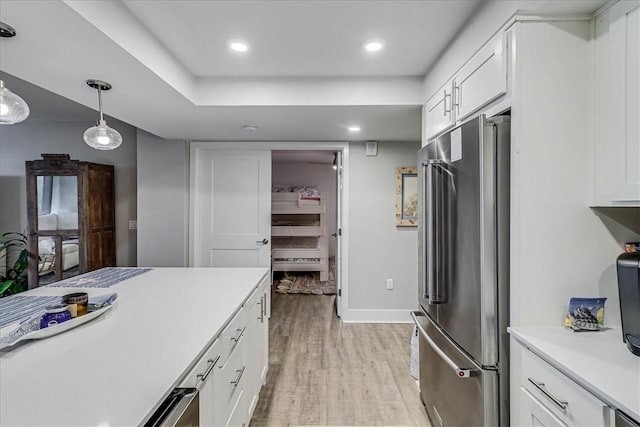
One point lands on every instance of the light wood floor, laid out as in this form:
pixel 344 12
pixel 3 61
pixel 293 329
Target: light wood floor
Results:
pixel 323 372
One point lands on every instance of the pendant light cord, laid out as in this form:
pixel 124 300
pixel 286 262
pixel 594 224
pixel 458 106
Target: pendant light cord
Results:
pixel 100 102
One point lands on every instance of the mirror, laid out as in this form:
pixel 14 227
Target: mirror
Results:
pixel 57 202
pixel 69 261
pixel 57 210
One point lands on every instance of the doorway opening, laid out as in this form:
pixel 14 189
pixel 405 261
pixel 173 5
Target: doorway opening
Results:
pixel 305 212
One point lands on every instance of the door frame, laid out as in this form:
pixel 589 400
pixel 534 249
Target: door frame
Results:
pixel 343 146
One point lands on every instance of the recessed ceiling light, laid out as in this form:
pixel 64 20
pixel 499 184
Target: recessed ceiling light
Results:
pixel 238 45
pixel 249 128
pixel 373 45
pixel 353 128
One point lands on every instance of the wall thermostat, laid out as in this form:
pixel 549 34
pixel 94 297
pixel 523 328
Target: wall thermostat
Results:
pixel 371 148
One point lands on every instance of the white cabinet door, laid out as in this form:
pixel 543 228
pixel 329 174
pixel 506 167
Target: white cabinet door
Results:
pixel 617 73
pixel 535 414
pixel 262 341
pixel 439 112
pixel 256 356
pixel 230 388
pixel 206 377
pixel 482 79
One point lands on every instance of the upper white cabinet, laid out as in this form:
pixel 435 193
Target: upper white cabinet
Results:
pixel 439 111
pixel 481 80
pixel 617 111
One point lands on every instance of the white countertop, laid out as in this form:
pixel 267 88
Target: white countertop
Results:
pixel 598 361
pixel 115 369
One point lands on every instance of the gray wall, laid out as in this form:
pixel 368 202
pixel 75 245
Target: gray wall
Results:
pixel 324 176
pixel 379 250
pixel 27 140
pixel 163 196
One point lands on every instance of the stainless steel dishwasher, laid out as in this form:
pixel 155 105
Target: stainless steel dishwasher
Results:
pixel 623 421
pixel 180 409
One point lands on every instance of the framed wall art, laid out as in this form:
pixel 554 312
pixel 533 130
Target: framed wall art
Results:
pixel 406 197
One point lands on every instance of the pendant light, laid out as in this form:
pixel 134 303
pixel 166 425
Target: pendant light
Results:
pixel 13 109
pixel 101 136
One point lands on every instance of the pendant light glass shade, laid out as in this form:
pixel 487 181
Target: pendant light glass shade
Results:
pixel 101 136
pixel 13 109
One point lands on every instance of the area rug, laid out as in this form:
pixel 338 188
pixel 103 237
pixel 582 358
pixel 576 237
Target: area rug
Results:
pixel 305 282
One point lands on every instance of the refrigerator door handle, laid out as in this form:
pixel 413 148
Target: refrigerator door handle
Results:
pixel 435 230
pixel 429 230
pixel 460 372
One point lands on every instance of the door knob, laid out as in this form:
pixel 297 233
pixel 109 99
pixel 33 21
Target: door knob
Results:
pixel 263 241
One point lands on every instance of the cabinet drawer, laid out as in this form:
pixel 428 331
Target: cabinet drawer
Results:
pixel 231 380
pixel 534 413
pixel 204 366
pixel 565 399
pixel 237 417
pixel 232 335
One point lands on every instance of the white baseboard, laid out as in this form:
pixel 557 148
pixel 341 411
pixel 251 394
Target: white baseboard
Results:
pixel 377 316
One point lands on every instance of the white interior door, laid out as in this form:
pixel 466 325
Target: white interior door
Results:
pixel 338 272
pixel 232 208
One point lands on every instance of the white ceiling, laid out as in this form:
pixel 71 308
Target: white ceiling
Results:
pixel 305 76
pixel 304 38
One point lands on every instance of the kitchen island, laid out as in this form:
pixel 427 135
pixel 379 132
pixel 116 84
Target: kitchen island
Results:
pixel 116 369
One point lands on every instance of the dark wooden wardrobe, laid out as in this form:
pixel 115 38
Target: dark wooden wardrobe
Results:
pixel 71 217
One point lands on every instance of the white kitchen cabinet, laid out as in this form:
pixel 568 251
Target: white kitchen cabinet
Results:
pixel 262 340
pixel 256 356
pixel 230 393
pixel 549 398
pixel 617 105
pixel 230 382
pixel 439 112
pixel 482 79
pixel 203 377
pixel 535 414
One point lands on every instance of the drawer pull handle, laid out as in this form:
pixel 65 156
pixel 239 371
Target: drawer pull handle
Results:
pixel 212 363
pixel 562 404
pixel 237 337
pixel 237 380
pixel 261 317
pixel 459 372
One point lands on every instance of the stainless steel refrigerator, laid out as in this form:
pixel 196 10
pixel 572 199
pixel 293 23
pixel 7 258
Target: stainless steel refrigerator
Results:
pixel 464 274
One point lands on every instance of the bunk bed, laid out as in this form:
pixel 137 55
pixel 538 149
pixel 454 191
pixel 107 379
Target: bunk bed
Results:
pixel 298 230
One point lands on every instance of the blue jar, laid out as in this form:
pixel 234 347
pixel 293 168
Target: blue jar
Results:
pixel 55 314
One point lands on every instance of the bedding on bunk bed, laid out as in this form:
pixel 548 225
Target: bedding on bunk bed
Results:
pixel 294 242
pixel 293 222
pixel 305 192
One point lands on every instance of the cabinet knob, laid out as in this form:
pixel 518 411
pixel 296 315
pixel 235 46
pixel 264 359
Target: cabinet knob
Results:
pixel 263 241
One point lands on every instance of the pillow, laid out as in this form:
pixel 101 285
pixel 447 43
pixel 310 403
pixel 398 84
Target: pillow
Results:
pixel 47 222
pixel 67 220
pixel 46 245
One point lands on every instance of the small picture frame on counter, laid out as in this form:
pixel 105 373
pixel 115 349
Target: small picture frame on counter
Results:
pixel 631 247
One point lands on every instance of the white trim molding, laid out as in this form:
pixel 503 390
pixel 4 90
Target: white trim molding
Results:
pixel 377 316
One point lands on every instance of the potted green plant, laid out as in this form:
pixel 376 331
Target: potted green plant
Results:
pixel 14 279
